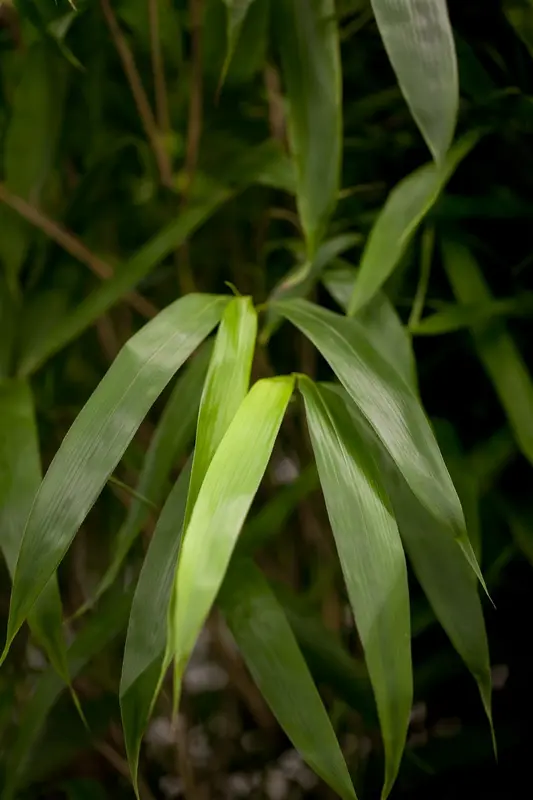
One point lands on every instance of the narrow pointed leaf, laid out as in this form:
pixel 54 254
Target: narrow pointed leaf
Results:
pixel 100 630
pixel 457 317
pixel 172 435
pixel 419 41
pixel 273 657
pixel 307 37
pixel 223 502
pixel 20 476
pixel 225 387
pixel 98 438
pixel 404 210
pixel 389 405
pixel 495 348
pixel 372 560
pixel 236 11
pixel 144 654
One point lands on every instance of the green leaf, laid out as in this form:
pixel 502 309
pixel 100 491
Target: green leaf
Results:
pixel 98 438
pixel 404 210
pixel 172 435
pixel 372 561
pixel 520 15
pixel 144 655
pixel 307 38
pixel 390 406
pixel 379 319
pixel 236 11
pixel 418 39
pixel 102 628
pixel 225 387
pixel 457 317
pixel 20 476
pixel 495 348
pixel 273 657
pixel 224 500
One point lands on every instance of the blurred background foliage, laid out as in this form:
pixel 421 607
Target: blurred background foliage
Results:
pixel 131 173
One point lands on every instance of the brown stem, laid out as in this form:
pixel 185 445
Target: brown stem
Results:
pixel 158 69
pixel 72 245
pixel 139 95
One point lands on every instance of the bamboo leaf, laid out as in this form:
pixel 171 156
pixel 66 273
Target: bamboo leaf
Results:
pixel 457 317
pixel 307 38
pixel 224 500
pixel 98 438
pixel 236 11
pixel 419 41
pixel 404 210
pixel 372 561
pixel 144 655
pixel 389 405
pixel 225 387
pixel 273 657
pixel 172 435
pixel 102 628
pixel 495 348
pixel 20 476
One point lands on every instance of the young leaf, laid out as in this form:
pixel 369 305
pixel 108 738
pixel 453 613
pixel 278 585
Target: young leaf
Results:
pixel 223 502
pixel 20 476
pixel 98 438
pixel 273 657
pixel 496 349
pixel 307 38
pixel 172 435
pixel 404 210
pixel 372 561
pixel 144 654
pixel 225 388
pixel 418 39
pixel 389 405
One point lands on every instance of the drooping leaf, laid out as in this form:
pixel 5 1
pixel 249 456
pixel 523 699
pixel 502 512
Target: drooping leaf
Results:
pixel 144 654
pixel 225 387
pixel 418 39
pixel 172 435
pixel 379 319
pixel 20 476
pixel 389 405
pixel 273 657
pixel 438 562
pixel 404 210
pixel 307 38
pixel 98 438
pixel 223 502
pixel 495 348
pixel 372 561
pixel 102 628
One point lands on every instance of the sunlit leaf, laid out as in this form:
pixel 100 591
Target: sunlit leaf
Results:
pixel 273 657
pixel 98 438
pixel 224 500
pixel 419 41
pixel 495 348
pixel 404 210
pixel 372 561
pixel 307 38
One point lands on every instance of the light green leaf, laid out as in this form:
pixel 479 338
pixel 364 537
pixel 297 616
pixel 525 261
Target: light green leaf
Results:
pixel 144 655
pixel 390 406
pixel 172 435
pixel 495 348
pixel 20 476
pixel 379 319
pixel 418 39
pixel 224 500
pixel 273 657
pixel 372 561
pixel 404 210
pixel 307 38
pixel 225 387
pixel 98 438
pixel 102 628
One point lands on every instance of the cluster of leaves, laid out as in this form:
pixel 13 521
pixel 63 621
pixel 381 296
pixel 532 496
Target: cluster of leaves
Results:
pixel 152 150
